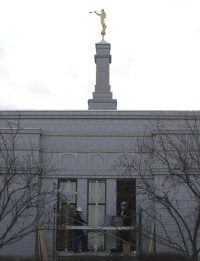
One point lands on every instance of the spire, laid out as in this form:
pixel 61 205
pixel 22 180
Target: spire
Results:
pixel 102 97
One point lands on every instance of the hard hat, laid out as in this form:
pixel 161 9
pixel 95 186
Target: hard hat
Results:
pixel 79 209
pixel 124 203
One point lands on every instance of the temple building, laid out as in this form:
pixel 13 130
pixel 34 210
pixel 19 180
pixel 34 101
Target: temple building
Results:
pixel 85 149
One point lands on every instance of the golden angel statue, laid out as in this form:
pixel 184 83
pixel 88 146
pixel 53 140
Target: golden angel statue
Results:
pixel 102 15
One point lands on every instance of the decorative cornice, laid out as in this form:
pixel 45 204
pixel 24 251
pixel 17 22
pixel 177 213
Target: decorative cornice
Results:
pixel 21 131
pixel 102 114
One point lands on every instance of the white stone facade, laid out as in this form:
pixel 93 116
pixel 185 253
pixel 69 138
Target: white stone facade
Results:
pixel 86 145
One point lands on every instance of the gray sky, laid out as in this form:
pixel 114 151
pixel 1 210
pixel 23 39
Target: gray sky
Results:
pixel 47 49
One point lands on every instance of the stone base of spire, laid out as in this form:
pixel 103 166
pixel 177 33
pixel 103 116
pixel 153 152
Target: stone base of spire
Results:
pixel 102 96
pixel 102 105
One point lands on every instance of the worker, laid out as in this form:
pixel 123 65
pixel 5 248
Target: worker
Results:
pixel 80 239
pixel 126 221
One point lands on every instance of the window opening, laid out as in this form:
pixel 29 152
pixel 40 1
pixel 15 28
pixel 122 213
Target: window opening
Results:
pixel 126 191
pixel 96 213
pixel 67 199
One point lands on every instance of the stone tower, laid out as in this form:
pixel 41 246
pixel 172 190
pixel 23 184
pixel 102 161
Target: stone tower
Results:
pixel 102 97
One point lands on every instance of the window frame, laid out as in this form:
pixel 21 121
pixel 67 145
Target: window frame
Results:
pixel 93 204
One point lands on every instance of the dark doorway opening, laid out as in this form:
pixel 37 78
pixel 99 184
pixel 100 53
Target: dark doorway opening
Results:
pixel 126 191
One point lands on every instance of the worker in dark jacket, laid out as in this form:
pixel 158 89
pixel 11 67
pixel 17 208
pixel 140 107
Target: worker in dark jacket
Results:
pixel 125 214
pixel 126 221
pixel 80 240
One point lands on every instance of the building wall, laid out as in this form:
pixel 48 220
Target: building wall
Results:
pixel 87 144
pixel 27 144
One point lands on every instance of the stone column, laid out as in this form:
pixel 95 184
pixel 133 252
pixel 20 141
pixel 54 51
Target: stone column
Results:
pixel 111 208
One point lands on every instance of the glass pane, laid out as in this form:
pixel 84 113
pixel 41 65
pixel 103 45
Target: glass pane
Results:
pixel 67 203
pixel 68 211
pixel 96 218
pixel 96 215
pixel 64 240
pixel 97 192
pixel 68 192
pixel 96 241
